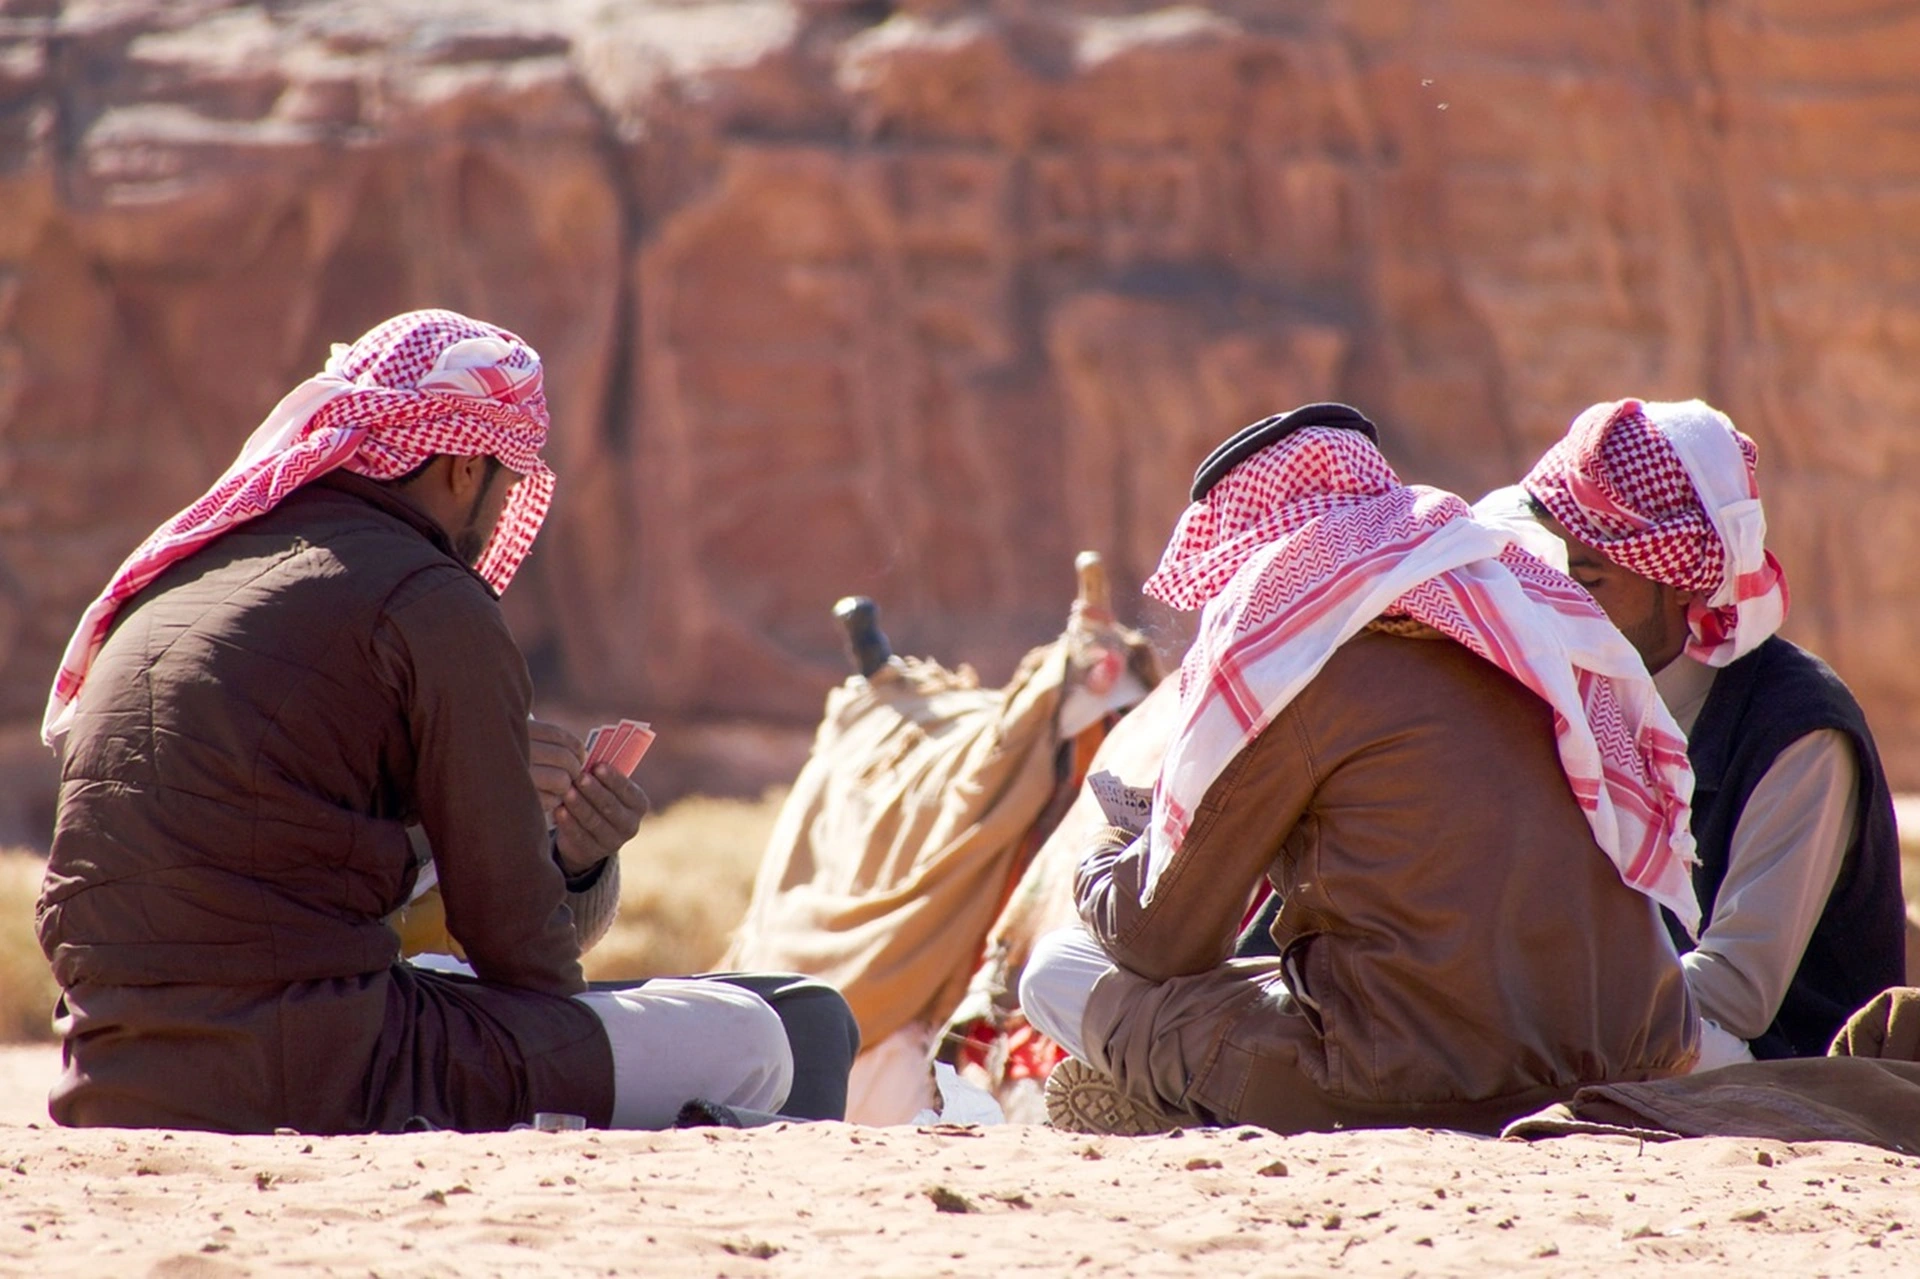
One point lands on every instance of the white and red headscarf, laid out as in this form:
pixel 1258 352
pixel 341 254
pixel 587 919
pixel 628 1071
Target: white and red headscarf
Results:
pixel 1308 540
pixel 1667 490
pixel 421 384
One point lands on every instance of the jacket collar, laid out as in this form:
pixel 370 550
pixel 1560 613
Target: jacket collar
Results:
pixel 386 499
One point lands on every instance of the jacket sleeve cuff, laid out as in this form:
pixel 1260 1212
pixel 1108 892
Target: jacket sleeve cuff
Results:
pixel 587 878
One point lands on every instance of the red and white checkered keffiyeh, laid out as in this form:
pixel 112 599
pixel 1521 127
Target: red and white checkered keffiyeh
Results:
pixel 1307 541
pixel 421 384
pixel 1667 490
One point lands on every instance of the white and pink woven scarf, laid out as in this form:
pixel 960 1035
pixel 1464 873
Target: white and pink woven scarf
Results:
pixel 421 384
pixel 1304 543
pixel 1667 490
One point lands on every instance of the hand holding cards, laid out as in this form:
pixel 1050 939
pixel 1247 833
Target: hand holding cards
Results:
pixel 600 812
pixel 1128 807
pixel 622 745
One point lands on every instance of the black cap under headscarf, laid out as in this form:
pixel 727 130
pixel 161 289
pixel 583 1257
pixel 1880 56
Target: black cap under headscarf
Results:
pixel 1247 441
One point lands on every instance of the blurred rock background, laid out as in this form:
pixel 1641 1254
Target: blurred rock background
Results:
pixel 916 299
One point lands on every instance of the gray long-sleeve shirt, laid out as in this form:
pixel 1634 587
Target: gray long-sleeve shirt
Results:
pixel 1784 860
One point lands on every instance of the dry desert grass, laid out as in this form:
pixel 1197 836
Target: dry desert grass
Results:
pixel 684 883
pixel 27 991
pixel 685 879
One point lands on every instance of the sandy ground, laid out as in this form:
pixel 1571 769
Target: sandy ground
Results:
pixel 830 1199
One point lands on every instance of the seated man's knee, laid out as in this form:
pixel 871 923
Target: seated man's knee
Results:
pixel 823 1034
pixel 674 1040
pixel 1032 989
pixel 762 1069
pixel 1056 983
pixel 819 1015
pixel 814 1011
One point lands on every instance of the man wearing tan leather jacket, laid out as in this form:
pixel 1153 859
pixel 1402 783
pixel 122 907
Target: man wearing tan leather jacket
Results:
pixel 1450 768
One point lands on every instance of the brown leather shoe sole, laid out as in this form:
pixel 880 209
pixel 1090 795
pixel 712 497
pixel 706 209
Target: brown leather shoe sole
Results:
pixel 1081 1099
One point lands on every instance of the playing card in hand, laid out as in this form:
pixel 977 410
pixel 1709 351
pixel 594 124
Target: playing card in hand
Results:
pixel 629 753
pixel 1127 807
pixel 623 745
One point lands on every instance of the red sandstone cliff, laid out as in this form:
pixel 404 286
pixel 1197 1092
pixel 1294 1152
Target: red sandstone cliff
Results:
pixel 917 299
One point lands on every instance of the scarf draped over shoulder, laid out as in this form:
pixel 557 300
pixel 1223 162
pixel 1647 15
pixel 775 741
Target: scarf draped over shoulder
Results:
pixel 1313 537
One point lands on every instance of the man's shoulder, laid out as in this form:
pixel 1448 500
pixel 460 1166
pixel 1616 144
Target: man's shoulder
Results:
pixel 442 595
pixel 1781 692
pixel 1780 668
pixel 1397 643
pixel 374 551
pixel 1416 672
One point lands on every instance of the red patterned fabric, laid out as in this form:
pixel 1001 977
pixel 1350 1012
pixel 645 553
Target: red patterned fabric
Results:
pixel 1307 541
pixel 1667 491
pixel 1006 1053
pixel 421 384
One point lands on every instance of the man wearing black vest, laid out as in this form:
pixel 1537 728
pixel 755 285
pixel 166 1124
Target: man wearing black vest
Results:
pixel 1799 870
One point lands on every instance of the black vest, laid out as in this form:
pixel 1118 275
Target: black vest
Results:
pixel 1759 706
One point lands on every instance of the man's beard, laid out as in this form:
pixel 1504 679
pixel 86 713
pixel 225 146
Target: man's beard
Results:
pixel 1660 632
pixel 470 543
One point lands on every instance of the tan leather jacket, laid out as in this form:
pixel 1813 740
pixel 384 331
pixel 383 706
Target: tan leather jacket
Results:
pixel 1449 924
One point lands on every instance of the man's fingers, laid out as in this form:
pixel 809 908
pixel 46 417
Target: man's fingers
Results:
pixel 600 812
pixel 585 813
pixel 554 759
pixel 604 810
pixel 552 781
pixel 540 730
pixel 583 836
pixel 553 747
pixel 578 852
pixel 629 802
pixel 615 800
pixel 558 759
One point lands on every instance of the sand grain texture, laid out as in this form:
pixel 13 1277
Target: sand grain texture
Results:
pixel 832 1199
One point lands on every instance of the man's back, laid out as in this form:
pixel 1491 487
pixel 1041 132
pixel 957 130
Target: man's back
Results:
pixel 237 782
pixel 1447 919
pixel 249 748
pixel 1445 760
pixel 1467 932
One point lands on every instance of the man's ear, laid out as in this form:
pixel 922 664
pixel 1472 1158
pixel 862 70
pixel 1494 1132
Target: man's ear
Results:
pixel 1680 602
pixel 465 476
